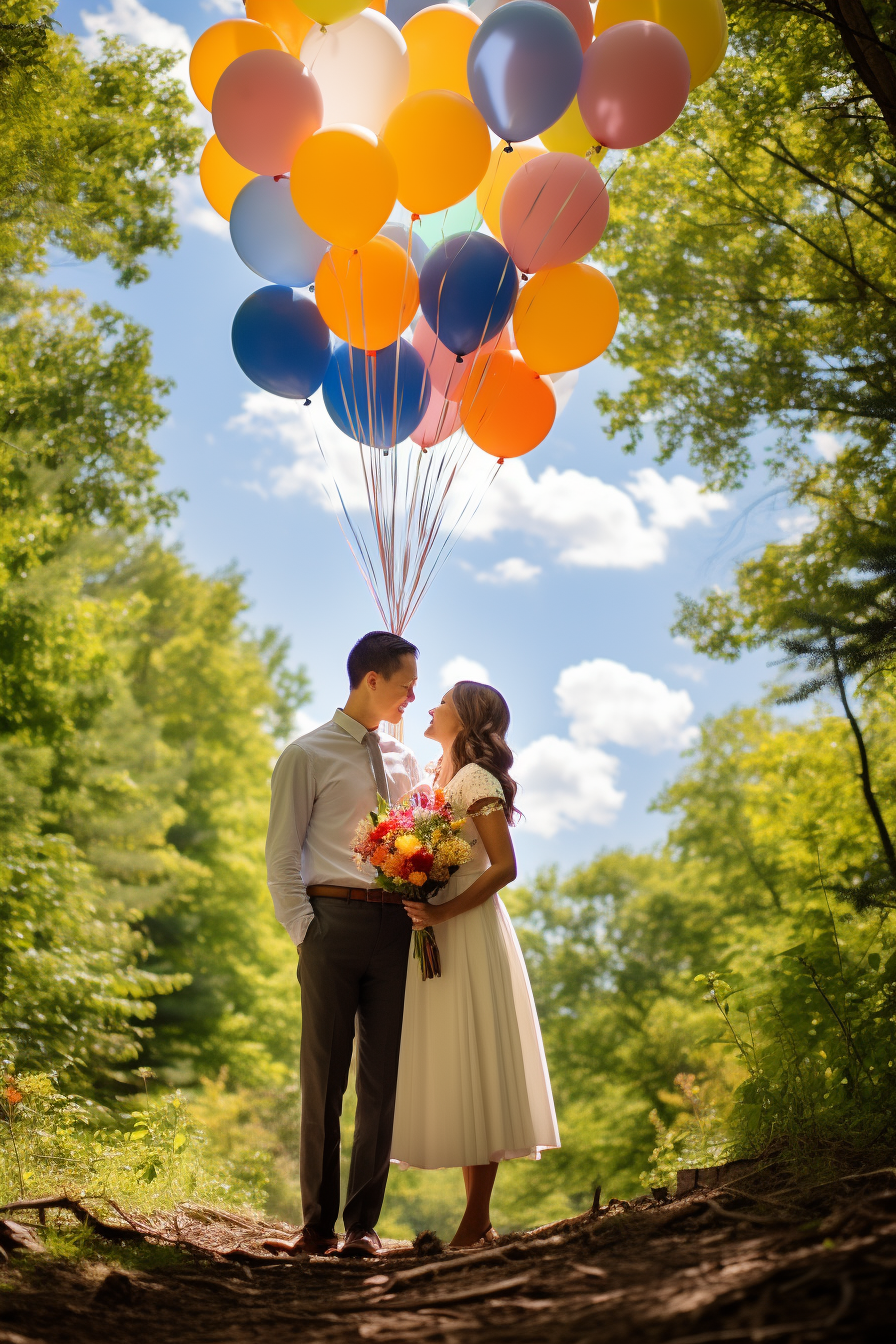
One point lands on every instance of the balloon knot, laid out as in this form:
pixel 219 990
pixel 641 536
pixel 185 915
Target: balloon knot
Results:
pixel 508 148
pixel 459 359
pixel 323 27
pixel 524 276
pixel 278 177
pixel 500 461
pixel 307 401
pixel 414 219
pixel 424 450
pixel 311 288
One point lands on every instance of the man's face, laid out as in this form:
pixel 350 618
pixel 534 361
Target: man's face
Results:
pixel 397 692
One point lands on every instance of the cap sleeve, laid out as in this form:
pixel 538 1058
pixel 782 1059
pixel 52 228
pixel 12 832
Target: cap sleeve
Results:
pixel 474 783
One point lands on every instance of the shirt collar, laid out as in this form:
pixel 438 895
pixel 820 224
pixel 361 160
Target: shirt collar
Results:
pixel 350 725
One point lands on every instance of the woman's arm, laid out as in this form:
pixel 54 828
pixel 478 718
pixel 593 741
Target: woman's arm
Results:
pixel 495 836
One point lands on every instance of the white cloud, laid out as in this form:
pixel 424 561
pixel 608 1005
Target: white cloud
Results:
pixel 512 570
pixel 563 784
pixel 608 702
pixel 690 671
pixel 231 8
pixel 826 445
pixel 192 209
pixel 303 722
pixel 569 781
pixel 592 524
pixel 462 668
pixel 796 525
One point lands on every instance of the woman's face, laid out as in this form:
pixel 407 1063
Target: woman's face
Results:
pixel 444 725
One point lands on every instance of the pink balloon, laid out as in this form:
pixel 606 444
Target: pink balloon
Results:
pixel 579 14
pixel 442 418
pixel 554 211
pixel 635 81
pixel 265 104
pixel 447 373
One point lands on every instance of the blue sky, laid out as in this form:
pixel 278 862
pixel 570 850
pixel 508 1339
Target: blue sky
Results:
pixel 563 589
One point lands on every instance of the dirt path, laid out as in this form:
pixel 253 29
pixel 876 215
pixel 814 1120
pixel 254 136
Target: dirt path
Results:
pixel 754 1261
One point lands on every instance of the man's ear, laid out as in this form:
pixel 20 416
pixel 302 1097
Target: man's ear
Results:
pixel 371 680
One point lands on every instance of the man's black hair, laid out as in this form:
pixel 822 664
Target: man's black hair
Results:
pixel 378 651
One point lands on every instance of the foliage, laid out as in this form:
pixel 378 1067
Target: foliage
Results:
pixel 154 1154
pixel 754 248
pixel 87 151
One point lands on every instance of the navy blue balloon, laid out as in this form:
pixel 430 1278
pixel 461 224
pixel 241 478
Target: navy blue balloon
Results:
pixel 359 386
pixel 468 289
pixel 281 341
pixel 524 67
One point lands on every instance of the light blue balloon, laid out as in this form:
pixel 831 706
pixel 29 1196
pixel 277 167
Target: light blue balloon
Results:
pixel 524 68
pixel 270 235
pixel 399 11
pixel 399 234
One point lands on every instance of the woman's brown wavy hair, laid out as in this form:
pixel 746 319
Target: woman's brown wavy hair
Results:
pixel 482 740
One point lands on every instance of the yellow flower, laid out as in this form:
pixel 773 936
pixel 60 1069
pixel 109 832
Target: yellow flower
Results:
pixel 407 844
pixel 457 825
pixel 417 879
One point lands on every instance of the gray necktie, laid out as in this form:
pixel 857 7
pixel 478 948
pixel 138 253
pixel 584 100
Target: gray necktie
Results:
pixel 372 743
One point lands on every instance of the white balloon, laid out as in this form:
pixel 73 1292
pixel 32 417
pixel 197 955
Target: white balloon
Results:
pixel 361 66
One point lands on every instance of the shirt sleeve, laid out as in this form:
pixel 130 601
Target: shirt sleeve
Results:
pixel 477 783
pixel 292 798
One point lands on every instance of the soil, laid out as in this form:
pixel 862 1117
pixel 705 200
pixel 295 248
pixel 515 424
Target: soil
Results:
pixel 758 1257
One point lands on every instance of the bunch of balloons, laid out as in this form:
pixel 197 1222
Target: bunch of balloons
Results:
pixel 379 167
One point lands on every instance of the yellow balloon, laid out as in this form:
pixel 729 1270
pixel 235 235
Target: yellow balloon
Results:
pixel 501 168
pixel 700 26
pixel 369 295
pixel 439 41
pixel 221 177
pixel 287 21
pixel 564 317
pixel 220 45
pixel 441 147
pixel 344 183
pixel 326 12
pixel 570 135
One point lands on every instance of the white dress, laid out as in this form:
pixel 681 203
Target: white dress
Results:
pixel 473 1083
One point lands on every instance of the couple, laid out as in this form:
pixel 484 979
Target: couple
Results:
pixel 450 1072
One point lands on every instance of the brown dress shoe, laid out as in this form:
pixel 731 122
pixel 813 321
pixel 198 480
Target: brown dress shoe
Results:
pixel 310 1241
pixel 361 1241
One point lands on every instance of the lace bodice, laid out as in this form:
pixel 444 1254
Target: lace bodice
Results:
pixel 471 784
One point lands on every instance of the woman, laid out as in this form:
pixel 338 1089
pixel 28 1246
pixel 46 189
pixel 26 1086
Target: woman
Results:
pixel 473 1086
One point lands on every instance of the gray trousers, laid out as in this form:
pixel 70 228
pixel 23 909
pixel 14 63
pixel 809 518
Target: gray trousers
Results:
pixel 352 966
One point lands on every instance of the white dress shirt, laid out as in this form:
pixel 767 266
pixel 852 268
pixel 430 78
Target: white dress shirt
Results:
pixel 322 786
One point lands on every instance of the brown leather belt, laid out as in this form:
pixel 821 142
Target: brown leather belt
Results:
pixel 374 895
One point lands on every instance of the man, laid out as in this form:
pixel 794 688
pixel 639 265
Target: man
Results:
pixel 352 937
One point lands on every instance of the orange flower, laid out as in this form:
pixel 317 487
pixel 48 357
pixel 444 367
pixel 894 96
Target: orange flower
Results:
pixel 417 879
pixel 379 856
pixel 13 1096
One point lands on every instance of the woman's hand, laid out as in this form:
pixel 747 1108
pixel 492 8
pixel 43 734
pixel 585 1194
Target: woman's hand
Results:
pixel 422 914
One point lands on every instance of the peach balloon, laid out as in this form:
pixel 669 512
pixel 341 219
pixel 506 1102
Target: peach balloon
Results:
pixel 287 21
pixel 367 295
pixel 442 419
pixel 565 317
pixel 554 211
pixel 507 408
pixel 501 168
pixel 449 373
pixel 265 105
pixel 635 82
pixel 221 177
pixel 219 46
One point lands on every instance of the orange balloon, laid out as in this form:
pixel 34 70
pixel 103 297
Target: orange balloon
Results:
pixel 378 5
pixel 288 22
pixel 220 45
pixel 344 183
pixel 564 317
pixel 369 295
pixel 507 409
pixel 439 39
pixel 441 148
pixel 501 168
pixel 221 177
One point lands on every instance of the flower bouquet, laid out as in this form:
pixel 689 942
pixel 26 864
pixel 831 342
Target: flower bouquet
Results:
pixel 414 848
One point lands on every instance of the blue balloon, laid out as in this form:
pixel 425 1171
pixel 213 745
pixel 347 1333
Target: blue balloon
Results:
pixel 468 289
pixel 281 341
pixel 399 11
pixel 270 235
pixel 524 67
pixel 359 385
pixel 399 234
